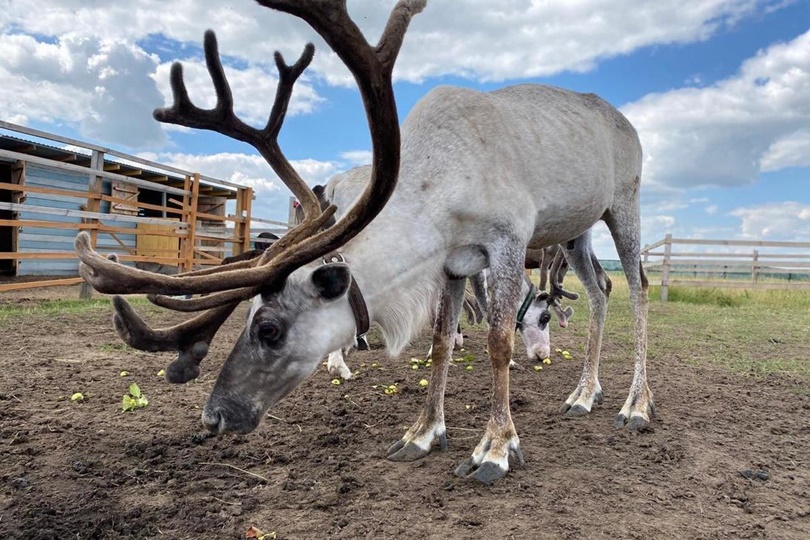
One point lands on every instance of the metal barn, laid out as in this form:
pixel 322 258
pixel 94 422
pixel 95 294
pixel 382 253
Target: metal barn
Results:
pixel 154 216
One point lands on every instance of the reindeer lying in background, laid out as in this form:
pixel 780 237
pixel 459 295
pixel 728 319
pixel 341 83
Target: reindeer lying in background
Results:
pixel 544 164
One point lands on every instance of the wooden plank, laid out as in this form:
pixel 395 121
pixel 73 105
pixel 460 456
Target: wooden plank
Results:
pixel 746 243
pixel 191 219
pixel 5 287
pixel 211 217
pixel 726 284
pixel 206 256
pixel 46 224
pixel 84 214
pixel 94 193
pixel 152 244
pixel 762 256
pixel 85 170
pixel 48 191
pixel 739 264
pixel 61 255
pixel 245 227
pixel 101 227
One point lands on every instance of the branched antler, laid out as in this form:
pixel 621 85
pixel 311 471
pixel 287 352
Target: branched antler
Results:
pixel 372 68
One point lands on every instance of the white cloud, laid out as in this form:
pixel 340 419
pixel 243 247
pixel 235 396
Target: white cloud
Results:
pixel 789 221
pixel 357 157
pixel 792 150
pixel 725 134
pixel 471 38
pixel 711 209
pixel 102 86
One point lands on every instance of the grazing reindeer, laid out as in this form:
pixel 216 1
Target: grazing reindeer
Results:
pixel 545 163
pixel 533 307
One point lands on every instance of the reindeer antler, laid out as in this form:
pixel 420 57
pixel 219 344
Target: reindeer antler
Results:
pixel 372 68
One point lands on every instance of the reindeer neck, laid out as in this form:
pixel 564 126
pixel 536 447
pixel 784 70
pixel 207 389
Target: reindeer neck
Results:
pixel 398 267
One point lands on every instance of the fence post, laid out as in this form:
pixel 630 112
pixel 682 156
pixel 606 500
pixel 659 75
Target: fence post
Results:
pixel 247 207
pixel 94 192
pixel 645 251
pixel 665 268
pixel 755 267
pixel 191 234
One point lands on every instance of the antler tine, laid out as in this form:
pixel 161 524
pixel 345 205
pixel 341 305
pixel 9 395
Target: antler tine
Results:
pixel 190 338
pixel 223 119
pixel 203 302
pixel 372 69
pixel 559 267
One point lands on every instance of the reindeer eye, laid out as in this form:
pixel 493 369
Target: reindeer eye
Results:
pixel 545 317
pixel 268 332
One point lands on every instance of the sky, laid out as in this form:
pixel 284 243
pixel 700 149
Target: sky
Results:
pixel 719 90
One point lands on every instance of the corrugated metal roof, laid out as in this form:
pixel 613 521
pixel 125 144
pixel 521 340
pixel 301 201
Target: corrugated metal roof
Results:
pixel 38 149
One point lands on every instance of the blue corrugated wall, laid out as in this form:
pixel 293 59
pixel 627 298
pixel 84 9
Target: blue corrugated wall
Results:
pixel 41 240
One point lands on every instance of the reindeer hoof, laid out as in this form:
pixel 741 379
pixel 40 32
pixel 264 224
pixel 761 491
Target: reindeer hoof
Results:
pixel 487 473
pixel 635 423
pixel 638 423
pixel 464 468
pixel 576 411
pixel 404 450
pixel 408 452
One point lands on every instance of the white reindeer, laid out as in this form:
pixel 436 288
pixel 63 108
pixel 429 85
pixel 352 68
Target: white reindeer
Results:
pixel 489 174
pixel 533 307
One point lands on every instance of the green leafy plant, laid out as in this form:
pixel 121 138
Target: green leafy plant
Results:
pixel 133 399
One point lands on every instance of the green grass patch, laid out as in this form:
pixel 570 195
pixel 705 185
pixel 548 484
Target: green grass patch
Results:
pixel 114 347
pixel 45 308
pixel 755 333
pixel 716 297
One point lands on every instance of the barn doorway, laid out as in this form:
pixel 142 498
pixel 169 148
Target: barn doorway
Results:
pixel 7 232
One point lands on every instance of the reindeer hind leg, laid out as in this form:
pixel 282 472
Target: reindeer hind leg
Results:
pixel 624 225
pixel 588 390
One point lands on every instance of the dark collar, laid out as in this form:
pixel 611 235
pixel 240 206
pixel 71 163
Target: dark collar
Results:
pixel 356 300
pixel 524 307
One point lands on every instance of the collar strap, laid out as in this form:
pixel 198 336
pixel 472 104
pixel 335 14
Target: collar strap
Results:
pixel 524 307
pixel 356 300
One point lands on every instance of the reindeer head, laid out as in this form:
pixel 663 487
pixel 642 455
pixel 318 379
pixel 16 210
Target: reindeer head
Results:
pixel 278 347
pixel 534 326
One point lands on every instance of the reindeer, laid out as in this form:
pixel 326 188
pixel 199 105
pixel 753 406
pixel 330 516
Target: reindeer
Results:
pixel 533 307
pixel 544 164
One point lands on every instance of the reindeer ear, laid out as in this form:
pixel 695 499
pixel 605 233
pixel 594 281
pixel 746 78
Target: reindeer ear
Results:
pixel 563 314
pixel 332 280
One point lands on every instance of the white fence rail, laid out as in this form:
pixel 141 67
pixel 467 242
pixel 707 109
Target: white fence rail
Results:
pixel 727 266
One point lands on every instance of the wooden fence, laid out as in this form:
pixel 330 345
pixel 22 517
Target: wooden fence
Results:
pixel 193 234
pixel 769 265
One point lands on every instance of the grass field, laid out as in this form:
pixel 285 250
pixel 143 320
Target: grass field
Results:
pixel 753 332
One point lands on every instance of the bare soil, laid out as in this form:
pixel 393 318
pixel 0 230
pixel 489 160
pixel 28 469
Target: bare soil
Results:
pixel 728 455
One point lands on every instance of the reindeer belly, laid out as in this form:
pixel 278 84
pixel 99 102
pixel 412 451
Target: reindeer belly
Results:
pixel 465 261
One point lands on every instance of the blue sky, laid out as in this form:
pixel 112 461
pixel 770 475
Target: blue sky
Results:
pixel 719 90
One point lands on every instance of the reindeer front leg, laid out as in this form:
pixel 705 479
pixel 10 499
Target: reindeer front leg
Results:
pixel 429 427
pixel 490 459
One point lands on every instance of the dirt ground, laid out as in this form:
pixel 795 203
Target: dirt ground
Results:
pixel 728 455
